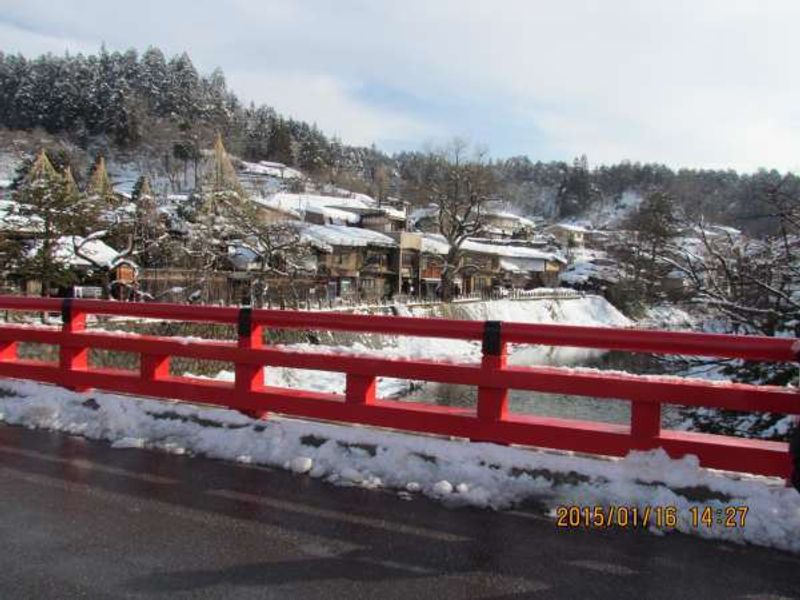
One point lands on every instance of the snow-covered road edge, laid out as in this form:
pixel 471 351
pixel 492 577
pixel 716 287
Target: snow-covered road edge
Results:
pixel 455 472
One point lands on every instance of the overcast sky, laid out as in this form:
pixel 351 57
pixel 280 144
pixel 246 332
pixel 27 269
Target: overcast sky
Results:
pixel 689 83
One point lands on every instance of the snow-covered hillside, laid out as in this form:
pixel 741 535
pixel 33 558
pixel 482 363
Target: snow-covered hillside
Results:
pixel 611 213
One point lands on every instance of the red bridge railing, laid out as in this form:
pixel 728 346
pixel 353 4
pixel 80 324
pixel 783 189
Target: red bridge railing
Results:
pixel 489 421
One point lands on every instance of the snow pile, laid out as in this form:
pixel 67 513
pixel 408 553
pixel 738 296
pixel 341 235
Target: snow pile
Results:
pixel 667 316
pixel 454 472
pixel 589 310
pixel 614 213
pixel 595 270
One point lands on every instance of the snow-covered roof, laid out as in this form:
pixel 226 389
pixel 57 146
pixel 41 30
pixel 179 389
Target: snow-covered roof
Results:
pixel 241 257
pixel 510 251
pixel 432 211
pixel 522 265
pixel 271 169
pixel 5 184
pixel 392 213
pixel 71 250
pixel 423 212
pixel 435 243
pixel 268 202
pixel 301 202
pixel 178 197
pixel 572 227
pixel 523 221
pixel 325 237
pixel 336 215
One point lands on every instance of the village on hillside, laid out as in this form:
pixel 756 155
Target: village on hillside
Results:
pixel 265 234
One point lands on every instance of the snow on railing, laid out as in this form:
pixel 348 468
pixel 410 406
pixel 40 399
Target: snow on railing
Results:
pixel 489 421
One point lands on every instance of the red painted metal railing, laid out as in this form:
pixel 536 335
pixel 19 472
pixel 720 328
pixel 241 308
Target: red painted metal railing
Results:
pixel 490 421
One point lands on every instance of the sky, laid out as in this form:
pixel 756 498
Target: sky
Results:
pixel 702 83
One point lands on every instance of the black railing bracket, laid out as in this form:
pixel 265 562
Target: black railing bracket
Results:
pixel 492 343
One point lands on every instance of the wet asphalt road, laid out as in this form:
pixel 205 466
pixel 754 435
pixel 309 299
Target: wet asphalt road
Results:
pixel 81 520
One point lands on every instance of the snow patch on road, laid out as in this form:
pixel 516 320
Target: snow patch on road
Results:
pixel 454 472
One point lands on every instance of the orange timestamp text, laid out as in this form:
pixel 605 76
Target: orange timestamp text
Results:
pixel 662 517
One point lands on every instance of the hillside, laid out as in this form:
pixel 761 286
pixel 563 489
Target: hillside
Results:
pixel 157 115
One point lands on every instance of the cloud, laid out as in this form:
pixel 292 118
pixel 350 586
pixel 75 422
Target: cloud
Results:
pixel 18 39
pixel 333 105
pixel 690 83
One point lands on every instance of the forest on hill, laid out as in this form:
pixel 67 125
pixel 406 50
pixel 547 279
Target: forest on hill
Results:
pixel 148 104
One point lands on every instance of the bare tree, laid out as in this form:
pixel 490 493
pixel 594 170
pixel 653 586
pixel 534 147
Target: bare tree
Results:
pixel 277 247
pixel 460 185
pixel 753 284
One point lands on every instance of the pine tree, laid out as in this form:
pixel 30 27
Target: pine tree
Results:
pixel 53 206
pixel 99 189
pixel 183 91
pixel 150 243
pixel 141 189
pixel 280 143
pixel 258 125
pixel 152 80
pixel 70 187
pixel 222 177
pixel 221 196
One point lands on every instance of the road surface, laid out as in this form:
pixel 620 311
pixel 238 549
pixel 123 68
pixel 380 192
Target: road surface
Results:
pixel 79 519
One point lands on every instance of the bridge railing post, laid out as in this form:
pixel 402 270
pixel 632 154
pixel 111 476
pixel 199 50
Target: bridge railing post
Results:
pixel 8 351
pixel 645 424
pixel 360 389
pixel 72 357
pixel 153 367
pixel 250 378
pixel 493 401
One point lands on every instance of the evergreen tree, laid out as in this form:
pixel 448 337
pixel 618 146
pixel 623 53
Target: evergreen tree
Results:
pixel 183 91
pixel 258 127
pixel 152 80
pixel 54 209
pixel 99 190
pixel 280 143
pixel 151 242
pixel 221 177
pixel 141 188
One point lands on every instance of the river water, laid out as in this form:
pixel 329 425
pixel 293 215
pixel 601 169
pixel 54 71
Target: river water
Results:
pixel 561 405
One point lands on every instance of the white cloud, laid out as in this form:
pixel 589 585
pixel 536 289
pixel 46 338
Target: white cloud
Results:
pixel 31 43
pixel 332 105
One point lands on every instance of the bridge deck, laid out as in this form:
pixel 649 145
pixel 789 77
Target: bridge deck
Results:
pixel 78 519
